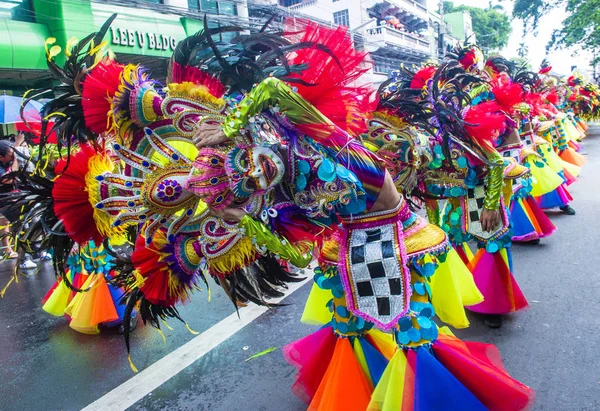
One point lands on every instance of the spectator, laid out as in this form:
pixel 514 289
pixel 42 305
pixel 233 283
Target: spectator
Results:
pixel 8 164
pixel 24 153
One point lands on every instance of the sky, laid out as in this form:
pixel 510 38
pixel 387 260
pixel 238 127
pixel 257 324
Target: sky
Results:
pixel 560 60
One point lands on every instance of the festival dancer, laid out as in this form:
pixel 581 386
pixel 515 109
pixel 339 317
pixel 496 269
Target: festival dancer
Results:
pixel 476 209
pixel 306 189
pixel 85 293
pixel 354 254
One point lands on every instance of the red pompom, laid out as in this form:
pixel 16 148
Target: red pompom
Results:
pixel 507 94
pixel 552 97
pixel 538 105
pixel 99 87
pixel 486 121
pixel 180 74
pixel 71 199
pixel 422 77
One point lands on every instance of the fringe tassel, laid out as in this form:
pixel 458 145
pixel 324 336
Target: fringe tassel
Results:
pixel 133 368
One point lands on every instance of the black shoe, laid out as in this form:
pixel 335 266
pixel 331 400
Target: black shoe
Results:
pixel 533 242
pixel 568 210
pixel 493 320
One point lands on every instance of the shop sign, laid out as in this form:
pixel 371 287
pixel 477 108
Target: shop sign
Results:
pixel 142 39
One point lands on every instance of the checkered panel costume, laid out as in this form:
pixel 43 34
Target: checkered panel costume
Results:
pixel 374 272
pixel 473 207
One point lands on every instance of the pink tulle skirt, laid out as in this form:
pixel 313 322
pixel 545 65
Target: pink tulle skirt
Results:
pixel 496 282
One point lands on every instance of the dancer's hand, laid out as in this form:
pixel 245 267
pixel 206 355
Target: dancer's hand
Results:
pixel 209 135
pixel 489 219
pixel 231 215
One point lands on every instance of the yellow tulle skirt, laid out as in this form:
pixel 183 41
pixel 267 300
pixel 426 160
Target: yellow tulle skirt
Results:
pixel 58 300
pixel 544 178
pixel 557 164
pixel 452 287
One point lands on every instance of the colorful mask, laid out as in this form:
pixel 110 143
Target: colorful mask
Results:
pixel 208 180
pixel 253 170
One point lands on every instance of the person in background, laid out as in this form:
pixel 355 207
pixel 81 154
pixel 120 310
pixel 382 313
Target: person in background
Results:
pixel 23 152
pixel 7 165
pixel 23 156
pixel 14 158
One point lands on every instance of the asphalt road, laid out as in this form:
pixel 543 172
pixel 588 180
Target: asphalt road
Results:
pixel 552 346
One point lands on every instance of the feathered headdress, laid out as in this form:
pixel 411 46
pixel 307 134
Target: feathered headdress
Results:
pixel 66 110
pixel 469 56
pixel 437 108
pixel 545 67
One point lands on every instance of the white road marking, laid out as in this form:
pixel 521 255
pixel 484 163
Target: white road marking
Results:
pixel 149 379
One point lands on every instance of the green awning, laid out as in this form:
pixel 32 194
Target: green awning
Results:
pixel 22 45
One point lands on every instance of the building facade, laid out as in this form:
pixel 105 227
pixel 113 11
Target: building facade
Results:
pixel 395 32
pixel 144 32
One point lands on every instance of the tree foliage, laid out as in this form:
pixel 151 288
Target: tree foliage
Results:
pixel 491 26
pixel 522 62
pixel 581 27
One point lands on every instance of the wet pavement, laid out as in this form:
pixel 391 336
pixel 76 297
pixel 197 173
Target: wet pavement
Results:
pixel 551 347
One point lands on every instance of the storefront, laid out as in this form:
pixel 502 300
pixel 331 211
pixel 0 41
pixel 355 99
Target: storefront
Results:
pixel 138 35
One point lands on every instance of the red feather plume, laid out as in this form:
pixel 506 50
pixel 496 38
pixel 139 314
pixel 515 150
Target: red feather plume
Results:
pixel 486 121
pixel 468 59
pixel 71 199
pixel 99 88
pixel 422 77
pixel 329 79
pixel 181 74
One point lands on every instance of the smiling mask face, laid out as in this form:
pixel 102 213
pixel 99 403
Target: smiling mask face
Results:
pixel 253 170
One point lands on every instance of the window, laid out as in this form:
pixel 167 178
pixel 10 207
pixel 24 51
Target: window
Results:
pixel 289 3
pixel 213 6
pixel 341 18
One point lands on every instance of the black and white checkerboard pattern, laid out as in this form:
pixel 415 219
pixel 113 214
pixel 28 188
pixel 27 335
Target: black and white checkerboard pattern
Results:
pixel 512 153
pixel 475 201
pixel 376 273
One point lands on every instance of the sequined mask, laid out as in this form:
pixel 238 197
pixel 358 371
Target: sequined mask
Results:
pixel 253 170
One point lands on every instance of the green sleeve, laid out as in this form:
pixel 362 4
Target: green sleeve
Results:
pixel 432 207
pixel 272 92
pixel 495 180
pixel 263 237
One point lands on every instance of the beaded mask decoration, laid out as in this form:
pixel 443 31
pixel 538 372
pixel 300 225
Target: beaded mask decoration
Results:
pixel 193 97
pixel 209 180
pixel 224 245
pixel 137 103
pixel 253 170
pixel 156 196
pixel 399 144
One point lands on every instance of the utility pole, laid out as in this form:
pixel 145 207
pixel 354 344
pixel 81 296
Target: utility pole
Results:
pixel 441 32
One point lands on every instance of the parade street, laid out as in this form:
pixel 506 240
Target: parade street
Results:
pixel 552 346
